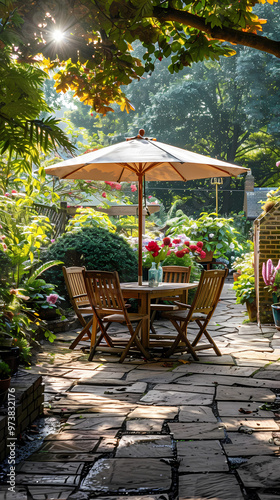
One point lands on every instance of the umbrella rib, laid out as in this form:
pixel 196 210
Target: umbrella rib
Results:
pixel 155 144
pixel 129 167
pixel 152 165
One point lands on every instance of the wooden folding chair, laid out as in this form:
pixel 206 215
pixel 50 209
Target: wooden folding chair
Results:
pixel 202 309
pixel 106 299
pixel 77 292
pixel 171 274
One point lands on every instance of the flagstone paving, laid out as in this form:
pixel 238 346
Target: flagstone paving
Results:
pixel 163 430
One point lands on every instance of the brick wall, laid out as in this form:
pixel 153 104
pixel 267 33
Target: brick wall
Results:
pixel 29 399
pixel 267 246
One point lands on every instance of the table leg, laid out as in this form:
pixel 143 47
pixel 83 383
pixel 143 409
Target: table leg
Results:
pixel 144 308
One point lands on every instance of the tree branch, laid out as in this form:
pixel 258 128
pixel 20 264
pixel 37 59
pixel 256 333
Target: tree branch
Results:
pixel 227 34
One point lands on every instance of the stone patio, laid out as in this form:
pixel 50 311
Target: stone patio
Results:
pixel 170 429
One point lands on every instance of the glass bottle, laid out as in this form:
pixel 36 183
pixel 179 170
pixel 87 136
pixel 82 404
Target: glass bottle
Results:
pixel 159 273
pixel 152 275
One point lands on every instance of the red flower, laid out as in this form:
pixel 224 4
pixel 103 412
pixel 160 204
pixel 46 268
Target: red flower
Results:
pixel 166 242
pixel 193 248
pixel 104 195
pixel 202 254
pixel 187 243
pixel 187 250
pixel 180 253
pixel 176 241
pixel 199 244
pixel 198 249
pixel 153 247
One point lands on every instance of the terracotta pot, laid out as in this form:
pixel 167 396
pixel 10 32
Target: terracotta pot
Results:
pixel 252 310
pixel 236 275
pixel 208 257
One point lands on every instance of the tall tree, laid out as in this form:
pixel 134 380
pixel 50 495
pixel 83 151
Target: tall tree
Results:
pixel 95 54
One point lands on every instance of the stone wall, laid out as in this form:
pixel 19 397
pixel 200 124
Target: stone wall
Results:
pixel 29 398
pixel 267 246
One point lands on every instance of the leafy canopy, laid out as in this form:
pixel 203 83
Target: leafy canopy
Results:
pixel 94 53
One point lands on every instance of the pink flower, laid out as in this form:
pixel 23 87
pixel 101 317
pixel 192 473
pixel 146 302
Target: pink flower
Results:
pixel 199 244
pixel 118 186
pixel 7 194
pixel 133 188
pixel 14 191
pixel 278 164
pixel 52 298
pixel 52 241
pixel 104 195
pixel 202 254
pixel 4 246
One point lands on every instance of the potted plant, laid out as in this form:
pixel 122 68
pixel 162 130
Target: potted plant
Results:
pixel 5 380
pixel 245 285
pixel 217 233
pixel 271 277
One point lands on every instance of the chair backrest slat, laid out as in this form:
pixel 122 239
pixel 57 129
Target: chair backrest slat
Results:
pixel 75 285
pixel 176 274
pixel 209 290
pixel 103 288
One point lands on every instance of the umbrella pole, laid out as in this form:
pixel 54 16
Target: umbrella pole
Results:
pixel 140 227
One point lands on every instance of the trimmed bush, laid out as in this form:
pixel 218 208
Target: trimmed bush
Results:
pixel 94 248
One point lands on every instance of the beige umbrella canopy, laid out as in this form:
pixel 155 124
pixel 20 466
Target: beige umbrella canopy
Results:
pixel 141 158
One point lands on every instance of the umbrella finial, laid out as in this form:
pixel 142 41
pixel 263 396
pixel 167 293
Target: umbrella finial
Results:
pixel 140 135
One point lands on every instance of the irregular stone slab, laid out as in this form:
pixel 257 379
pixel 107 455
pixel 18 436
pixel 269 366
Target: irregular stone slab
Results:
pixel 92 375
pixel 201 456
pixel 197 430
pixel 57 457
pixel 151 376
pixel 48 493
pixel 267 496
pixel 97 423
pixel 100 390
pixel 225 359
pixel 269 356
pixel 72 436
pixel 154 412
pixel 224 393
pixel 49 467
pixel 107 445
pixel 182 388
pixel 270 375
pixel 50 479
pixel 152 446
pixel 196 414
pixel 19 493
pixel 211 486
pixel 261 424
pixel 69 446
pixel 143 497
pixel 176 398
pixel 258 443
pixel 144 425
pixel 245 362
pixel 260 472
pixel 215 370
pixel 128 474
pixel 239 408
pixel 206 380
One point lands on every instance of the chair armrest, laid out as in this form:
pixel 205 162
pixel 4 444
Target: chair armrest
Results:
pixel 181 304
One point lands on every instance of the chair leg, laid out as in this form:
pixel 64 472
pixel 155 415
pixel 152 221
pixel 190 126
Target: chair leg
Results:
pixel 203 331
pixel 81 334
pixel 137 342
pixel 181 336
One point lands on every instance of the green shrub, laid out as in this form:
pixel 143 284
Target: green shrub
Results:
pixel 94 248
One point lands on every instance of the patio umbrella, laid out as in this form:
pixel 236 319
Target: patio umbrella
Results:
pixel 142 158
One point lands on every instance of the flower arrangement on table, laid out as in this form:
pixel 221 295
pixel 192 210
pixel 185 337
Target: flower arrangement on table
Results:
pixel 179 251
pixel 271 277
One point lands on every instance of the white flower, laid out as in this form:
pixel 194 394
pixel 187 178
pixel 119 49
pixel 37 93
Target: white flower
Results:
pixel 219 224
pixel 211 235
pixel 231 246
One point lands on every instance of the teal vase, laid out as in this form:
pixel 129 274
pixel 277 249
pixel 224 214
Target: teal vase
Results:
pixel 159 274
pixel 153 276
